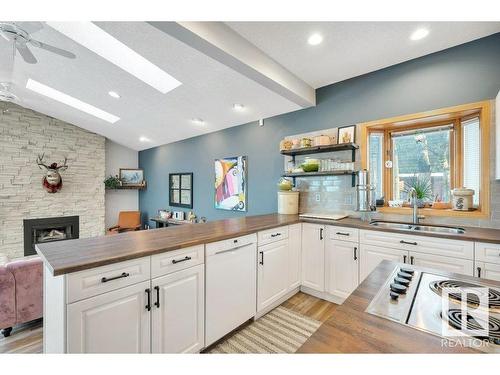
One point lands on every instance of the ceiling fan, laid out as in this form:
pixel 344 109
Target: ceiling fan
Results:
pixel 21 39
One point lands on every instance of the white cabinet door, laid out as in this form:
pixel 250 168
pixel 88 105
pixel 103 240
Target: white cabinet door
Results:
pixel 113 322
pixel 272 274
pixel 341 267
pixel 178 311
pixel 294 255
pixel 490 271
pixel 313 256
pixel 371 256
pixel 443 263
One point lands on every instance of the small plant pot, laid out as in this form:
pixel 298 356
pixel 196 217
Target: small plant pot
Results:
pixel 420 203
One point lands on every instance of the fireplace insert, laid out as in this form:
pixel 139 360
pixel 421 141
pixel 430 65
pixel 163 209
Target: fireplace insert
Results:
pixel 49 229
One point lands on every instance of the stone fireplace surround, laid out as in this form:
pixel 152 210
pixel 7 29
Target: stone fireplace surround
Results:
pixel 23 135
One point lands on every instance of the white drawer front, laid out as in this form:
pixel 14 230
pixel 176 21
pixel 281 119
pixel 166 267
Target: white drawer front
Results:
pixel 443 263
pixel 272 235
pixel 176 260
pixel 88 283
pixel 423 244
pixel 489 271
pixel 343 233
pixel 488 252
pixel 232 243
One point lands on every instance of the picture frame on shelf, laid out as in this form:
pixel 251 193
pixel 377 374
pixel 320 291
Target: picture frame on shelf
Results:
pixel 131 176
pixel 334 136
pixel 346 134
pixel 180 189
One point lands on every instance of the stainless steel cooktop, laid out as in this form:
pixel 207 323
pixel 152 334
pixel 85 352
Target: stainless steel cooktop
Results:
pixel 468 316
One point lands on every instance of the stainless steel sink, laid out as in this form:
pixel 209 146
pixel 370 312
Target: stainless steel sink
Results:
pixel 418 227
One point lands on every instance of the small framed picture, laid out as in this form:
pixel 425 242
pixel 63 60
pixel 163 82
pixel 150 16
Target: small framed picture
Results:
pixel 181 190
pixel 132 176
pixel 347 134
pixel 334 136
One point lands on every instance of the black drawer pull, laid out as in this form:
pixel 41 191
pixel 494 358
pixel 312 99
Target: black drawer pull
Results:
pixel 404 258
pixel 157 303
pixel 275 235
pixel 262 257
pixel 342 234
pixel 105 279
pixel 408 242
pixel 148 305
pixel 321 234
pixel 412 260
pixel 174 261
pixel 355 253
pixel 478 271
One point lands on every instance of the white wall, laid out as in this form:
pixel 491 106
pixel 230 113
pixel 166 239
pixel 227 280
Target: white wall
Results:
pixel 118 156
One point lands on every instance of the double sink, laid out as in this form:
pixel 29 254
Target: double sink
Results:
pixel 443 229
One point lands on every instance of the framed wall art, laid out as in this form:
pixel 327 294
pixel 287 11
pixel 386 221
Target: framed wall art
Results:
pixel 180 190
pixel 231 183
pixel 131 176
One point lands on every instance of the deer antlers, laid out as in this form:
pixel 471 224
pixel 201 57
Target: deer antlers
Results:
pixel 62 167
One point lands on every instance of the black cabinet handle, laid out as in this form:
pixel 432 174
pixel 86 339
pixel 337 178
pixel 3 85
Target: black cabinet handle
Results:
pixel 478 271
pixel 174 261
pixel 105 279
pixel 275 235
pixel 408 242
pixel 261 257
pixel 404 258
pixel 157 303
pixel 412 259
pixel 342 234
pixel 355 253
pixel 321 233
pixel 148 305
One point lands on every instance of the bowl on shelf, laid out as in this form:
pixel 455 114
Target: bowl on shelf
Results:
pixel 310 165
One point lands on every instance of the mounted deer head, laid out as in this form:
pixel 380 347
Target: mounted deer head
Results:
pixel 52 181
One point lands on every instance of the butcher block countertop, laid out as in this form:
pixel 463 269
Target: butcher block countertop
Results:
pixel 64 257
pixel 351 330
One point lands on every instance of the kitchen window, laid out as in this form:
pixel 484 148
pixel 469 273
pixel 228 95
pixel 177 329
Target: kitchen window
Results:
pixel 438 150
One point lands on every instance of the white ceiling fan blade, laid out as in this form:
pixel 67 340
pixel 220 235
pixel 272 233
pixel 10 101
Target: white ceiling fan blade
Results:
pixel 26 53
pixel 56 50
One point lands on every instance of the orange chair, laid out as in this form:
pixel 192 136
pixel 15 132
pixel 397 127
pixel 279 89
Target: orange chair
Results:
pixel 127 221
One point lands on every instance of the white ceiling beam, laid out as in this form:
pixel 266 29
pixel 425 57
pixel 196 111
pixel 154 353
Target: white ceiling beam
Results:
pixel 223 44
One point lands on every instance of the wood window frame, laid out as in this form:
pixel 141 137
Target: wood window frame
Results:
pixel 443 116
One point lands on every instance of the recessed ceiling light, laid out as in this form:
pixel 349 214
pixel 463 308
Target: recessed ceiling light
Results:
pixel 114 94
pixel 61 97
pixel 144 139
pixel 100 42
pixel 419 34
pixel 315 39
pixel 238 107
pixel 198 121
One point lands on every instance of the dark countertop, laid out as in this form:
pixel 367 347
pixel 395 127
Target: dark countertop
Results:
pixel 76 255
pixel 351 330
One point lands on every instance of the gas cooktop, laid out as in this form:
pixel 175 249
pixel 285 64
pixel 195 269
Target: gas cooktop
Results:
pixel 461 312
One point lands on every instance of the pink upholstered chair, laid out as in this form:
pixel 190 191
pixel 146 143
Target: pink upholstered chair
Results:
pixel 21 292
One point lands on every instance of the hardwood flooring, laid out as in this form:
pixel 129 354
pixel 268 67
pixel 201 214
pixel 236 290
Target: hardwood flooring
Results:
pixel 27 338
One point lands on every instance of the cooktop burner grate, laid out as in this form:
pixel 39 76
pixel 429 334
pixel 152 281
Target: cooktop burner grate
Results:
pixel 472 299
pixel 473 323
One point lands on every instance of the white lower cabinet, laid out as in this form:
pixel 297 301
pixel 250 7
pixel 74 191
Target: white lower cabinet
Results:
pixel 178 311
pixel 272 273
pixel 313 256
pixel 370 257
pixel 113 322
pixel 489 271
pixel 444 263
pixel 294 255
pixel 341 267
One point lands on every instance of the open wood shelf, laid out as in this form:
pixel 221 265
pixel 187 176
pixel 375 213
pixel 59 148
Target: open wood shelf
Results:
pixel 142 187
pixel 320 149
pixel 316 174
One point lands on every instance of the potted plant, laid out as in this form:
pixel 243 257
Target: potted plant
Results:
pixel 112 182
pixel 422 187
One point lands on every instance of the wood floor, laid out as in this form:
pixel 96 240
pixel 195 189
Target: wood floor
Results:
pixel 27 338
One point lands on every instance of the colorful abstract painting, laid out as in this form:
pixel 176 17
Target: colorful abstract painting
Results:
pixel 231 183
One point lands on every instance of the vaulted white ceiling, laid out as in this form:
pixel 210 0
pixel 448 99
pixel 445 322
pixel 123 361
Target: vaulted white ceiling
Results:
pixel 268 67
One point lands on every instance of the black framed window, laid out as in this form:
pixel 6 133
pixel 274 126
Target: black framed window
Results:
pixel 180 190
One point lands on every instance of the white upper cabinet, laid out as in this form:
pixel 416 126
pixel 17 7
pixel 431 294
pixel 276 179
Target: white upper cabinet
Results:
pixel 178 311
pixel 313 256
pixel 341 266
pixel 371 256
pixel 113 322
pixel 272 274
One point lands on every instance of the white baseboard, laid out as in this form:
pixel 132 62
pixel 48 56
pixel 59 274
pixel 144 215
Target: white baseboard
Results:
pixel 277 303
pixel 322 295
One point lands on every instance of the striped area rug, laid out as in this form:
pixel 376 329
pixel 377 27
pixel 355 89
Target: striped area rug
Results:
pixel 279 331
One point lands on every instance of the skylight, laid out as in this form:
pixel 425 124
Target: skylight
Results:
pixel 61 97
pixel 103 44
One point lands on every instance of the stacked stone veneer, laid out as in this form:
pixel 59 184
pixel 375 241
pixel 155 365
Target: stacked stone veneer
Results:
pixel 23 135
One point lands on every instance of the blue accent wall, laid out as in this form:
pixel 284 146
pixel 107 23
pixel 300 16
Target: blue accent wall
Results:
pixel 466 73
